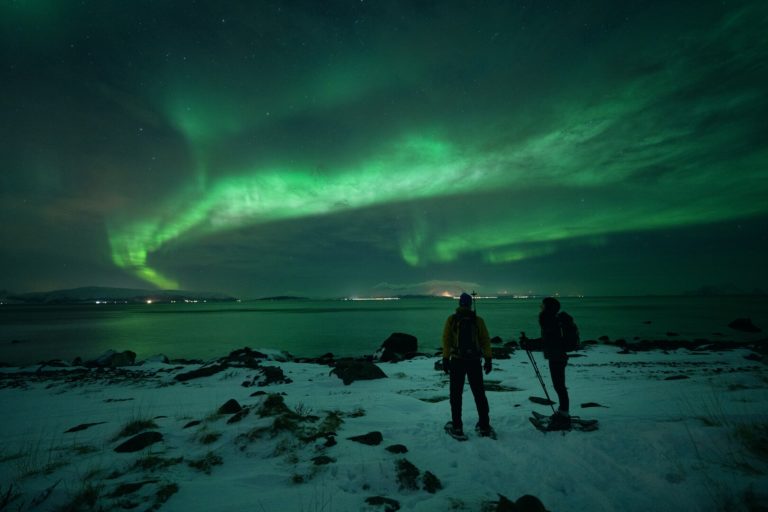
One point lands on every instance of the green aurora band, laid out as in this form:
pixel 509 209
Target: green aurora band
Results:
pixel 601 159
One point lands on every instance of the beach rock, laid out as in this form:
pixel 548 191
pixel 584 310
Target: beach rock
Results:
pixel 431 483
pixel 591 404
pixel 389 504
pixel 371 438
pixel 744 325
pixel 230 407
pixel 604 338
pixel 397 448
pixel 496 340
pixel 529 503
pixel 407 474
pixel 505 504
pixel 192 423
pixel 139 442
pixel 246 357
pixel 113 359
pixel 204 371
pixel 238 416
pixel 158 358
pixel 83 426
pixel 272 375
pixel 350 371
pixel 322 460
pixel 397 347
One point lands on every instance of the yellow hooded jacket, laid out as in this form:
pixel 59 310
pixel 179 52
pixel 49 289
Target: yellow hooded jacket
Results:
pixel 451 335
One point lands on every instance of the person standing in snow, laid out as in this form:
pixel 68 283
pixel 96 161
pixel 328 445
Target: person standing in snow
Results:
pixel 465 343
pixel 554 352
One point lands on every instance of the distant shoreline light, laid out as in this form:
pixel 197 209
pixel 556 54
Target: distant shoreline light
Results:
pixel 371 298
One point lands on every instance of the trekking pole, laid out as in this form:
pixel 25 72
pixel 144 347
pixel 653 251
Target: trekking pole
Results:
pixel 538 374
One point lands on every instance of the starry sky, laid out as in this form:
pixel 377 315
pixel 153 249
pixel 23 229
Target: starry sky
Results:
pixel 384 147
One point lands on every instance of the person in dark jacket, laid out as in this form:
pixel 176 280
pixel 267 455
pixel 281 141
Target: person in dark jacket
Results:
pixel 465 342
pixel 552 337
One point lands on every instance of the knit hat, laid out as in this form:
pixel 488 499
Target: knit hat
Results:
pixel 465 300
pixel 551 305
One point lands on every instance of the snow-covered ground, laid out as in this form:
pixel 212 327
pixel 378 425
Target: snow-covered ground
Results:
pixel 678 431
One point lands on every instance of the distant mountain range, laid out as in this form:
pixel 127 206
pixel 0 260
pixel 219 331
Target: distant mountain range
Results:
pixel 94 294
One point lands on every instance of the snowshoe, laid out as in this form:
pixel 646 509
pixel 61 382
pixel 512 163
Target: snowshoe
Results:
pixel 455 433
pixel 485 432
pixel 542 422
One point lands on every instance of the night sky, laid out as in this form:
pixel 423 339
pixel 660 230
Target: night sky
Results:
pixel 331 148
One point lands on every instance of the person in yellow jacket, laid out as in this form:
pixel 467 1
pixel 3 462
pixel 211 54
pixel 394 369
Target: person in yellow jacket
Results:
pixel 465 343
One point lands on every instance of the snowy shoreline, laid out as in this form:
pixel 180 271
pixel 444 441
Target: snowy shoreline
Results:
pixel 680 429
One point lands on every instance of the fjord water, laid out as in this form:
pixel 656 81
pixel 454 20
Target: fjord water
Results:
pixel 29 334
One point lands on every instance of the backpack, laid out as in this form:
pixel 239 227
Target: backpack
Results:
pixel 569 332
pixel 466 326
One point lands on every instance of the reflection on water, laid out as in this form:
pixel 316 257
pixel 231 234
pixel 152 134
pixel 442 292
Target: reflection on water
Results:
pixel 309 328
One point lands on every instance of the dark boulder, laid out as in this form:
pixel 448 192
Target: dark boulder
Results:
pixel 139 442
pixel 528 503
pixel 397 347
pixel 744 325
pixel 371 438
pixel 203 371
pixel 230 407
pixel 112 359
pixel 246 357
pixel 389 504
pixel 273 375
pixel 350 371
pixel 432 484
pixel 397 448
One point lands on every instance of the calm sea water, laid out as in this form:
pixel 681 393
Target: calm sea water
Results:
pixel 311 328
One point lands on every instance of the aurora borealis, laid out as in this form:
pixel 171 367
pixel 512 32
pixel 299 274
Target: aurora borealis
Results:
pixel 361 147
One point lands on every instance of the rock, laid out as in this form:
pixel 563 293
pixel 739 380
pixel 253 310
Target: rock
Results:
pixel 230 407
pixel 389 504
pixel 322 460
pixel 592 404
pixel 397 448
pixel 245 357
pixel 604 338
pixel 350 371
pixel 158 358
pixel 273 375
pixel 744 325
pixel 112 359
pixel 371 438
pixel 192 423
pixel 238 416
pixel 397 347
pixel 407 474
pixel 528 503
pixel 139 442
pixel 505 504
pixel 204 371
pixel 83 426
pixel 496 340
pixel 677 377
pixel 432 484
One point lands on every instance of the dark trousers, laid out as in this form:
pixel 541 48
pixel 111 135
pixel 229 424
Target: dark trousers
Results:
pixel 557 371
pixel 474 373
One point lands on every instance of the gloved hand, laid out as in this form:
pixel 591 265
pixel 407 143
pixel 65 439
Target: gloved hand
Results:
pixel 524 343
pixel 446 365
pixel 487 366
